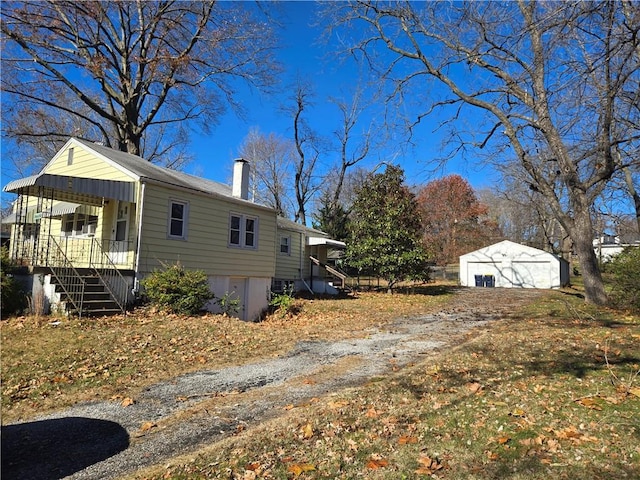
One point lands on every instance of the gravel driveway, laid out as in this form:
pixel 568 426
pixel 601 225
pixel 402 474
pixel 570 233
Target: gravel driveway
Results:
pixel 102 440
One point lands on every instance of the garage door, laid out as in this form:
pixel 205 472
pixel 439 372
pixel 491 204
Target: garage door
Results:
pixel 482 268
pixel 530 274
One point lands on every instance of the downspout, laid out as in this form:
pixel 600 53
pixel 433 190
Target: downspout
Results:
pixel 136 280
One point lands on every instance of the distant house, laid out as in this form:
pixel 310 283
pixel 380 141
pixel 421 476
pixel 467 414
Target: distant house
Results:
pixel 95 221
pixel 512 265
pixel 608 246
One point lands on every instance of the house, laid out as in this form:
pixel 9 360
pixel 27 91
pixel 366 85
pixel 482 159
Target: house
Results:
pixel 301 262
pixel 512 265
pixel 608 246
pixel 95 221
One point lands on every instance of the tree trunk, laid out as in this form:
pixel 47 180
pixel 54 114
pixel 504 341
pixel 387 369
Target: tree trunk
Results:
pixel 589 268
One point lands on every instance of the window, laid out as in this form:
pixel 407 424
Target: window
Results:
pixel 79 225
pixel 279 285
pixel 178 219
pixel 250 232
pixel 70 156
pixel 243 231
pixel 234 230
pixel 285 245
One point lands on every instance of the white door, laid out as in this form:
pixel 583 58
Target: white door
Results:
pixel 119 246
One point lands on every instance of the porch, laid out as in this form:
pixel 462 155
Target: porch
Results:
pixel 77 231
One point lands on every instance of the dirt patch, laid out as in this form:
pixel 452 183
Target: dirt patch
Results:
pixel 185 413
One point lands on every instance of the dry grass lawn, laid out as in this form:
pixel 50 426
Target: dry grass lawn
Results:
pixel 552 393
pixel 51 363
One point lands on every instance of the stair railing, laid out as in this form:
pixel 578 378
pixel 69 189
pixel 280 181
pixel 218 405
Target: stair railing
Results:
pixel 337 273
pixel 109 275
pixel 66 275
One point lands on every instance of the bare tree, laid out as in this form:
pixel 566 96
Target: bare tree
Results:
pixel 308 151
pixel 124 72
pixel 354 145
pixel 629 181
pixel 628 120
pixel 545 76
pixel 271 159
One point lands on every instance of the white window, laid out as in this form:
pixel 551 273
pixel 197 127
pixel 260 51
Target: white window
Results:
pixel 285 245
pixel 70 156
pixel 79 225
pixel 243 231
pixel 178 219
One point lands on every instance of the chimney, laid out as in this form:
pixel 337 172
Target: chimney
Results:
pixel 240 187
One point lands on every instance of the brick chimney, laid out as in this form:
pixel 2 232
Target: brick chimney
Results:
pixel 240 187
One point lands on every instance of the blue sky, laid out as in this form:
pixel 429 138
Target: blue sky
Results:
pixel 303 54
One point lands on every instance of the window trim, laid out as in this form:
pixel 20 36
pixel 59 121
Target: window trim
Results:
pixel 242 231
pixel 288 245
pixel 81 225
pixel 184 219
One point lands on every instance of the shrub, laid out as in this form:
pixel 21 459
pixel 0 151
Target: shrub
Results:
pixel 625 269
pixel 178 290
pixel 282 303
pixel 229 304
pixel 14 299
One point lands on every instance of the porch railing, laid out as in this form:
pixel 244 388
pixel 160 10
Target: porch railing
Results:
pixel 66 256
pixel 67 277
pixel 92 252
pixel 109 275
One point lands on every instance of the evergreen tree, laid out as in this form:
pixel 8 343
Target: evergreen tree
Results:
pixel 332 219
pixel 386 230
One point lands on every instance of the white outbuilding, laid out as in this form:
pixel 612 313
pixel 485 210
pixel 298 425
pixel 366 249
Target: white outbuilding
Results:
pixel 512 265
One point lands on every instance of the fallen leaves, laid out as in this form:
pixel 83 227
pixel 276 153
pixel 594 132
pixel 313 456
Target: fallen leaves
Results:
pixel 376 461
pixel 307 431
pixel 146 426
pixel 372 413
pixel 517 412
pixel 590 402
pixel 513 391
pixel 337 404
pixel 298 469
pixel 407 440
pixel 428 465
pixel 474 387
pixel 121 354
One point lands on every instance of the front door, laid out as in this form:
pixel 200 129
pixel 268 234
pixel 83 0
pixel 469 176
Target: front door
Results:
pixel 119 247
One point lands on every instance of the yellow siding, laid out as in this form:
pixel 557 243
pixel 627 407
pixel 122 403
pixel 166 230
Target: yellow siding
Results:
pixel 288 266
pixel 85 165
pixel 206 247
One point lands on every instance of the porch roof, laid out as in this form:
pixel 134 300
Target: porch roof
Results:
pixel 326 241
pixel 74 189
pixel 60 208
